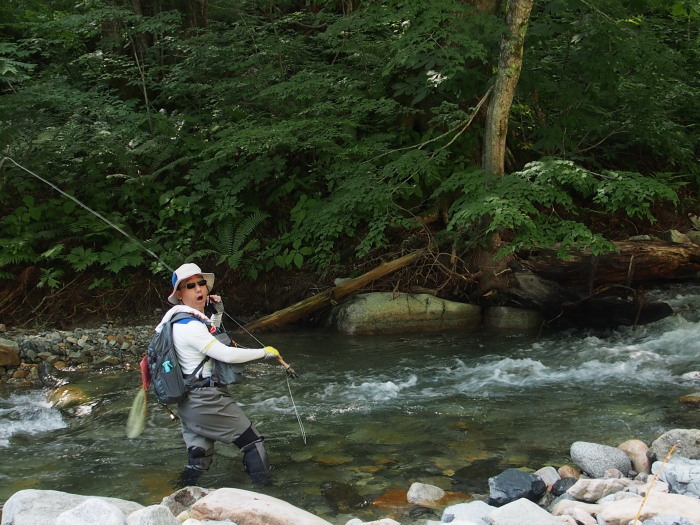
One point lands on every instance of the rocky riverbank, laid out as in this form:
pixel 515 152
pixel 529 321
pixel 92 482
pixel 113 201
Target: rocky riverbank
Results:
pixel 108 345
pixel 602 485
pixel 632 484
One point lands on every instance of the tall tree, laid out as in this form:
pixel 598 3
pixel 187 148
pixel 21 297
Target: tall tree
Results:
pixel 509 66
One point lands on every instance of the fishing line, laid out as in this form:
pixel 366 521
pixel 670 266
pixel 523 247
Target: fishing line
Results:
pixel 96 214
pixel 288 369
pixel 289 373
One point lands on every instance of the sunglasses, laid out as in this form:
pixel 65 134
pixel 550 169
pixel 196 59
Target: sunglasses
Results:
pixel 189 286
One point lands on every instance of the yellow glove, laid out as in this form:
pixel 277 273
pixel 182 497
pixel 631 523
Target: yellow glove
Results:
pixel 271 352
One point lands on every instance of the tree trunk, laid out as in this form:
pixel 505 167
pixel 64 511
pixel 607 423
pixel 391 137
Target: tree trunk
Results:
pixel 509 66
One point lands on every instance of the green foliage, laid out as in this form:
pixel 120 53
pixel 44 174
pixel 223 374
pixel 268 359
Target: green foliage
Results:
pixel 12 70
pixel 537 204
pixel 232 242
pixel 612 85
pixel 335 127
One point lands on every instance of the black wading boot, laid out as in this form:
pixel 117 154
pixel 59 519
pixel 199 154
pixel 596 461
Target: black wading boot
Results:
pixel 256 463
pixel 196 466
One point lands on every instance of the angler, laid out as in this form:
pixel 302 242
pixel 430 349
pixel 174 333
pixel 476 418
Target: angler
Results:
pixel 208 413
pixel 201 428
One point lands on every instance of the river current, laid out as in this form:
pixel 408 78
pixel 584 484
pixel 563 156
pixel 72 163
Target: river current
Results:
pixel 378 413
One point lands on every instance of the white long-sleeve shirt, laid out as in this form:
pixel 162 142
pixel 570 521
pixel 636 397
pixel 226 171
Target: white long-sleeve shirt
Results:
pixel 193 342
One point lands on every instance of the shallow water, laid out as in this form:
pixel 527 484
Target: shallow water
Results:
pixel 378 413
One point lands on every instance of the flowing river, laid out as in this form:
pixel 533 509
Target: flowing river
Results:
pixel 378 413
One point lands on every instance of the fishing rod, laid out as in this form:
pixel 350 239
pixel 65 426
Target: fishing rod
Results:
pixel 290 373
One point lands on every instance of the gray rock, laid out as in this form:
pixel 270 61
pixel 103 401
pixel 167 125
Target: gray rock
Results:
pixel 520 512
pixel 183 499
pixel 681 474
pixel 242 506
pixel 595 459
pixel 687 443
pixel 668 520
pixel 592 490
pixel 39 507
pixel 675 236
pixel 513 484
pixel 153 515
pixel 424 495
pixel 508 318
pixel 472 513
pixel 549 475
pixel 561 486
pixel 92 511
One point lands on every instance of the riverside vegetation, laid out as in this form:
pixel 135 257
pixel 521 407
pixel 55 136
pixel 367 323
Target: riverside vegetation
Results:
pixel 283 147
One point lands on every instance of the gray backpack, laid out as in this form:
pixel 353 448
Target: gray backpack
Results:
pixel 168 383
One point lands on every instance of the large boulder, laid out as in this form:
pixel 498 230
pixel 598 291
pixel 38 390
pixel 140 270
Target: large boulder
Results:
pixel 387 312
pixel 93 511
pixel 623 511
pixel 153 515
pixel 67 396
pixel 43 507
pixel 474 512
pixel 250 508
pixel 515 319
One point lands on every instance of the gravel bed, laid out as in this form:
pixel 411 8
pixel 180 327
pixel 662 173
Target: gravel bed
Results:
pixel 108 345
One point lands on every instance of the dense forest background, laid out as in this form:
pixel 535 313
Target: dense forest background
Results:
pixel 286 143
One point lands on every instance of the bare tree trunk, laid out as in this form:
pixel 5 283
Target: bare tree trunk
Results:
pixel 509 66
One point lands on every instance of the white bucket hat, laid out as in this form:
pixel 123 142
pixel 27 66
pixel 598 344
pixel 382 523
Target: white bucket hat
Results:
pixel 185 272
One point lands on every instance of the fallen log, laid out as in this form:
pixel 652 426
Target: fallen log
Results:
pixel 331 296
pixel 589 291
pixel 637 262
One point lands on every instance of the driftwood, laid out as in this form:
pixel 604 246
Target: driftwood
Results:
pixel 331 296
pixel 602 291
pixel 584 290
pixel 637 262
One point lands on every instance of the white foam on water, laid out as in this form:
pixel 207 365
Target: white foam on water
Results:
pixel 29 414
pixel 379 390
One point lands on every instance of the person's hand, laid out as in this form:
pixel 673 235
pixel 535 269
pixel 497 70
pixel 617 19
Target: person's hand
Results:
pixel 216 303
pixel 271 352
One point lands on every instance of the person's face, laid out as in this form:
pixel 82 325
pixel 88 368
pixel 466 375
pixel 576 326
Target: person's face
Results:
pixel 193 292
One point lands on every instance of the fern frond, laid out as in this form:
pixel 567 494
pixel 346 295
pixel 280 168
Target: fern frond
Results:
pixel 246 228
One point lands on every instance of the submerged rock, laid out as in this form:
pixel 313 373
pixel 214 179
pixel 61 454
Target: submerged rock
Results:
pixel 342 496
